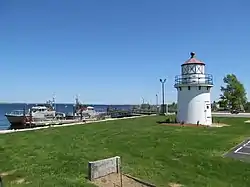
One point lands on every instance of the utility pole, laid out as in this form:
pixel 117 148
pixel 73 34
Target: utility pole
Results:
pixel 163 94
pixel 156 103
pixel 156 99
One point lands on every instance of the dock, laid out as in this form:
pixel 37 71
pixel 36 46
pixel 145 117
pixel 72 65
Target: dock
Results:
pixel 66 124
pixel 113 114
pixel 57 122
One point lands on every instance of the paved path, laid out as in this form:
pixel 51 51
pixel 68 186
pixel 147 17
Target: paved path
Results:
pixel 70 124
pixel 241 151
pixel 224 114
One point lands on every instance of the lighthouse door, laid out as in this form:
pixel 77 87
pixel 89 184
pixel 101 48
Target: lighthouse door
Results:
pixel 207 112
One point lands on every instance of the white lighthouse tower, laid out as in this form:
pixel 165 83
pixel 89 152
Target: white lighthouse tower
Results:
pixel 194 86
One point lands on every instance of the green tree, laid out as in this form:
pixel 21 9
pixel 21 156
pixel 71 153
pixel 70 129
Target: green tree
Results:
pixel 172 107
pixel 233 93
pixel 247 107
pixel 222 104
pixel 214 106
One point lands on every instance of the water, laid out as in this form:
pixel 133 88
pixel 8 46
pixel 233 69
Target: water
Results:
pixel 7 108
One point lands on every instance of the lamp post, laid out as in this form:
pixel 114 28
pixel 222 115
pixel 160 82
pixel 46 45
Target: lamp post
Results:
pixel 156 99
pixel 156 103
pixel 163 94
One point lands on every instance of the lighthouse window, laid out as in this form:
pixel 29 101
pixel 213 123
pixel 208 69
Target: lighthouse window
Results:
pixel 199 87
pixel 207 107
pixel 188 87
pixel 180 88
pixel 207 88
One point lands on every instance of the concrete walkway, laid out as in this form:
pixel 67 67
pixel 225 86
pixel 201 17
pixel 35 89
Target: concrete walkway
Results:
pixel 70 124
pixel 228 114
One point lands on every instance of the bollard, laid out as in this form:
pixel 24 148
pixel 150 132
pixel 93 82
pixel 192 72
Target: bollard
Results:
pixel 1 182
pixel 182 123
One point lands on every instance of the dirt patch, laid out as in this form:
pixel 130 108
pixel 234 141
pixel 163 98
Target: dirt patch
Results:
pixel 220 125
pixel 183 125
pixel 114 180
pixel 7 173
pixel 19 181
pixel 13 177
pixel 175 185
pixel 194 125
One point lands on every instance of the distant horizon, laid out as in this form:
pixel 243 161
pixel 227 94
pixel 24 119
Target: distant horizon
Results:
pixel 81 103
pixel 58 103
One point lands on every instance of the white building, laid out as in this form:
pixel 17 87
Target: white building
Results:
pixel 193 87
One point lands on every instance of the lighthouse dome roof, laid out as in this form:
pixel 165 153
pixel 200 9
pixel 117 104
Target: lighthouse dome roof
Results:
pixel 193 60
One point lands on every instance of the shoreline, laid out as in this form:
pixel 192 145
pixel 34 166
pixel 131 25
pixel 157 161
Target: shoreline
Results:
pixel 70 124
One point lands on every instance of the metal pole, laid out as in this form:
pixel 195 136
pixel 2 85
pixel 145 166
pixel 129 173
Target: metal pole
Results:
pixel 121 174
pixel 54 102
pixel 156 102
pixel 142 100
pixel 166 103
pixel 163 102
pixel 166 108
pixel 24 117
pixel 1 182
pixel 30 118
pixel 163 94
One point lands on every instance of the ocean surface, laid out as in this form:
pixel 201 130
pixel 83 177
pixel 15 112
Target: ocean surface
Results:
pixel 7 108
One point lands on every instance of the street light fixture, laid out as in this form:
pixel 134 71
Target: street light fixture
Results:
pixel 163 81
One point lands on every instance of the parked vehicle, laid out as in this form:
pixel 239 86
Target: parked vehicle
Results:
pixel 235 111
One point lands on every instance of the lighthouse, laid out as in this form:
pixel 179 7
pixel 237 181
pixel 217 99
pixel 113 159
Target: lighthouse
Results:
pixel 194 87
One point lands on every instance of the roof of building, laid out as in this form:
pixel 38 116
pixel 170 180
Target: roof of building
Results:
pixel 193 60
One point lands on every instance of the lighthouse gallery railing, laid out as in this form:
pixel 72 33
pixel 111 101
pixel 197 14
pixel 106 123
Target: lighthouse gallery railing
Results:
pixel 200 79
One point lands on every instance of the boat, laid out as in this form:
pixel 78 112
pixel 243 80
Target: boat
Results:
pixel 17 118
pixel 40 112
pixel 82 111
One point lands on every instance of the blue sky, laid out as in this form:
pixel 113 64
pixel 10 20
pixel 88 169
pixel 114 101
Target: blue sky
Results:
pixel 114 52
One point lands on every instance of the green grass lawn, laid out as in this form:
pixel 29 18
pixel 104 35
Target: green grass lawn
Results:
pixel 159 154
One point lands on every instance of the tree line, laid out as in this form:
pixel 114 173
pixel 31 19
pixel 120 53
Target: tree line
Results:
pixel 233 95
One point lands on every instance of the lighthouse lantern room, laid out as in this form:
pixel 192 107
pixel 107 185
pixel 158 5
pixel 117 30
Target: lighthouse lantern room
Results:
pixel 193 87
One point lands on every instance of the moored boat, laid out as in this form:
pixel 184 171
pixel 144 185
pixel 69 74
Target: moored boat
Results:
pixel 82 111
pixel 19 118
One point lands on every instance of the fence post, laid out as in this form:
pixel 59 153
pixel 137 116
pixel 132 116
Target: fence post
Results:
pixel 1 182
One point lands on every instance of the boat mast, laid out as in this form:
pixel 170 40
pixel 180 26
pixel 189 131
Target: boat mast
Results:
pixel 77 100
pixel 54 102
pixel 76 105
